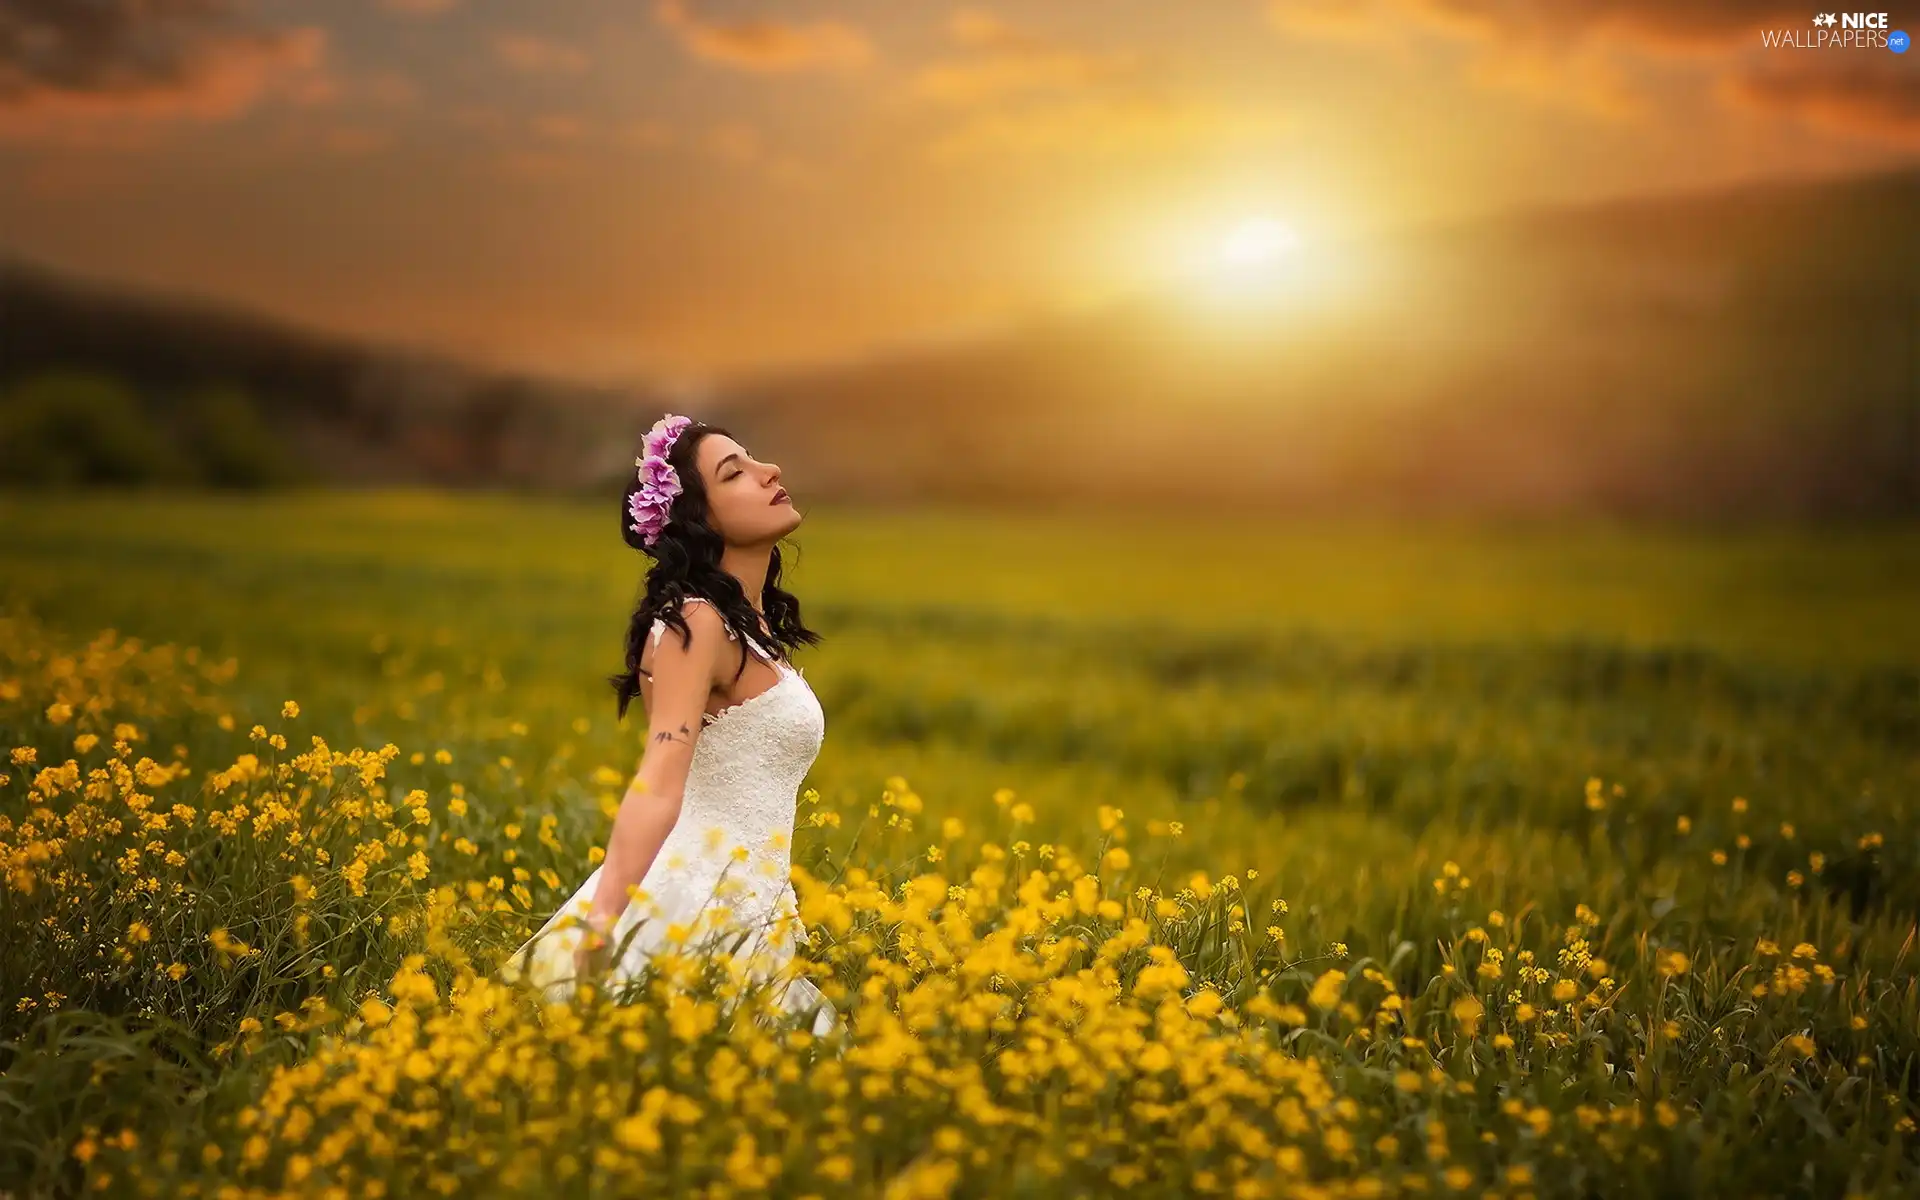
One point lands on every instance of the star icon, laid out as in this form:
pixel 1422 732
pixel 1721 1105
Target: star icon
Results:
pixel 1827 19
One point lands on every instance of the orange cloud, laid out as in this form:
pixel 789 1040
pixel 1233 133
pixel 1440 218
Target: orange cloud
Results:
pixel 65 69
pixel 537 55
pixel 1686 27
pixel 1109 126
pixel 1568 53
pixel 419 8
pixel 1693 27
pixel 1351 20
pixel 1027 94
pixel 766 46
pixel 1004 61
pixel 1869 94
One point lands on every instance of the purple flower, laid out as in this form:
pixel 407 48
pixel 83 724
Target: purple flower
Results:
pixel 649 512
pixel 661 437
pixel 658 475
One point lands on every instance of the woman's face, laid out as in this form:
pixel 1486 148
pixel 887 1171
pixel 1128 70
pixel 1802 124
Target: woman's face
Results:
pixel 745 501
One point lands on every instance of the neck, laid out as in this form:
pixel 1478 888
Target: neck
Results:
pixel 749 564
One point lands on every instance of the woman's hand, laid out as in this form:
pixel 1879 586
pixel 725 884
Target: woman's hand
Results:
pixel 592 951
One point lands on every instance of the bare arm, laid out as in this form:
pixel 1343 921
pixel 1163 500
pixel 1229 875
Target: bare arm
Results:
pixel 682 677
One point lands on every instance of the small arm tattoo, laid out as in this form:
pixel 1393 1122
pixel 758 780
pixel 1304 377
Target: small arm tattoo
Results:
pixel 682 735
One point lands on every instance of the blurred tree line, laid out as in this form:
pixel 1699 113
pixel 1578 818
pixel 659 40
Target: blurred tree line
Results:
pixel 79 428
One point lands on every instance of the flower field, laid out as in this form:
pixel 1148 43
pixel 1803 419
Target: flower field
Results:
pixel 1269 860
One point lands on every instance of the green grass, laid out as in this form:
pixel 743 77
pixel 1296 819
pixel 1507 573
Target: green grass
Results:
pixel 1344 707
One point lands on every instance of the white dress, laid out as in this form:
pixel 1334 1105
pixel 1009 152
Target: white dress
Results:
pixel 742 791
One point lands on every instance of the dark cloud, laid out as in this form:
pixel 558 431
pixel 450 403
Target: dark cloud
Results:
pixel 66 60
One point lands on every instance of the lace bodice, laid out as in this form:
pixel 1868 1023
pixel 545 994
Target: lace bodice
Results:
pixel 726 862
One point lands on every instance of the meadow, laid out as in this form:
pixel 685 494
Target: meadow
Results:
pixel 1208 855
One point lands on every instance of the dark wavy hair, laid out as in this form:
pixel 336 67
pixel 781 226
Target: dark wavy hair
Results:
pixel 686 562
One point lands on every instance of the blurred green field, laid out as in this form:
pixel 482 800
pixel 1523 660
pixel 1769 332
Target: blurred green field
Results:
pixel 1466 675
pixel 1342 707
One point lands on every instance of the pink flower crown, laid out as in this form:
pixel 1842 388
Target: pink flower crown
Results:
pixel 659 482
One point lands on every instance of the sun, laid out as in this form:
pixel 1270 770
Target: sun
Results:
pixel 1253 243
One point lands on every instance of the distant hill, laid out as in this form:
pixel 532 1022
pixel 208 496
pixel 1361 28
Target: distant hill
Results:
pixel 345 411
pixel 1750 352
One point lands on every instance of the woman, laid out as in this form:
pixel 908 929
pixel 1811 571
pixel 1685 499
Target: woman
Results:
pixel 732 729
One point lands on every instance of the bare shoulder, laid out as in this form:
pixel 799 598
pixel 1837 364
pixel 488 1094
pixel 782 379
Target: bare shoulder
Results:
pixel 707 634
pixel 703 618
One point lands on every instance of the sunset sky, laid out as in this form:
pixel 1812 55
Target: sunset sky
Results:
pixel 685 189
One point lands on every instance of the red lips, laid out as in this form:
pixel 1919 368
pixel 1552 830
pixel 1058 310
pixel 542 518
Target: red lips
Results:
pixel 780 497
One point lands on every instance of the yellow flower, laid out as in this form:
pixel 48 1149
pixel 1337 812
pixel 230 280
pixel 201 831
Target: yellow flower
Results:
pixel 1326 989
pixel 290 710
pixel 1468 1010
pixel 838 1168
